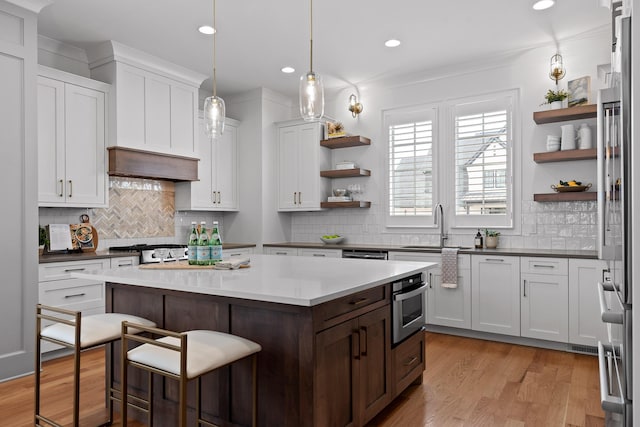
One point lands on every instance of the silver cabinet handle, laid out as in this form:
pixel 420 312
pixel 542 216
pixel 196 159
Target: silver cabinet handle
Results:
pixel 280 253
pixel 294 197
pixel 608 315
pixel 319 255
pixel 411 361
pixel 299 197
pixel 61 188
pixel 219 198
pixel 524 288
pixel 430 281
pixel 69 270
pixel 543 266
pixel 608 402
pixel 411 294
pixel 237 254
pixel 494 259
pixel 125 263
pixel 75 295
pixel 70 188
pixel 213 197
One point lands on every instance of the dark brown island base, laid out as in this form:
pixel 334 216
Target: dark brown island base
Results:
pixel 329 362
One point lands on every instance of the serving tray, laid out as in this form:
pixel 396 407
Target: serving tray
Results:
pixel 570 188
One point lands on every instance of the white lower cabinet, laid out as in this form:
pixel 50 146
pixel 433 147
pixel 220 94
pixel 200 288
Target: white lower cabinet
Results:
pixel 285 251
pixel 544 298
pixel 321 253
pixel 57 288
pixel 495 294
pixel 236 252
pixel 445 306
pixel 585 324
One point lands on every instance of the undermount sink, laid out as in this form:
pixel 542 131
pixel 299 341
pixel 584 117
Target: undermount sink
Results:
pixel 433 247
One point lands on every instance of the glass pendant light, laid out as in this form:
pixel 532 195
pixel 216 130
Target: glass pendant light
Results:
pixel 214 110
pixel 311 88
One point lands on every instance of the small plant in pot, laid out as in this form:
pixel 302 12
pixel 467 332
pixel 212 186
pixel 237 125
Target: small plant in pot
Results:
pixel 491 238
pixel 555 98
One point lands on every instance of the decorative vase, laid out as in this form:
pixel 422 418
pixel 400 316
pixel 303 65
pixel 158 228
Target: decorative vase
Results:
pixel 492 242
pixel 556 105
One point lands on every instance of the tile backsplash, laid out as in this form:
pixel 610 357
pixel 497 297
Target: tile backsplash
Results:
pixel 563 225
pixel 140 211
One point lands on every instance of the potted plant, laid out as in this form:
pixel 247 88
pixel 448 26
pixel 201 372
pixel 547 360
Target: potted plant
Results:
pixel 491 238
pixel 555 98
pixel 42 238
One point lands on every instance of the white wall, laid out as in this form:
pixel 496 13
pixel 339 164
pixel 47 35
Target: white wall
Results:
pixel 537 225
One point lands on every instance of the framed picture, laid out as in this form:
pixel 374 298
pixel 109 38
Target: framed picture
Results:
pixel 579 91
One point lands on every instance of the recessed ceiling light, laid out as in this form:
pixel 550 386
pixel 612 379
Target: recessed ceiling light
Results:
pixel 392 43
pixel 288 70
pixel 543 4
pixel 207 29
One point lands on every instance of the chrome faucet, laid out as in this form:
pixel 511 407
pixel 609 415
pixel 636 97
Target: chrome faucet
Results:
pixel 443 235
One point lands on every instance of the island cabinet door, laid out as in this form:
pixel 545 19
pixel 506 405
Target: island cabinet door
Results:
pixel 353 376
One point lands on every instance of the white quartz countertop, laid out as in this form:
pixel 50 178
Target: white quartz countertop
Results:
pixel 296 280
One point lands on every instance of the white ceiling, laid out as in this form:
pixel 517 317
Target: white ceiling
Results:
pixel 256 38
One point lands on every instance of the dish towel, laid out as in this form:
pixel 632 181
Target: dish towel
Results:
pixel 449 268
pixel 233 263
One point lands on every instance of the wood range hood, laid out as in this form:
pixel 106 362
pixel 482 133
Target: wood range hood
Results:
pixel 134 163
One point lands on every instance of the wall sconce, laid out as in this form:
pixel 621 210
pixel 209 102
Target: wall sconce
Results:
pixel 354 106
pixel 557 71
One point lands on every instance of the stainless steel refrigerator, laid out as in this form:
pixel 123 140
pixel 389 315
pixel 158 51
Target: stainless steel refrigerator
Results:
pixel 615 231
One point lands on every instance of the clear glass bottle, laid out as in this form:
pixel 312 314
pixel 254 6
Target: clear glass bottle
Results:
pixel 192 244
pixel 479 243
pixel 203 252
pixel 215 243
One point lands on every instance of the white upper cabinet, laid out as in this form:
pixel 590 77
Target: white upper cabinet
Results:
pixel 71 140
pixel 217 188
pixel 300 159
pixel 155 107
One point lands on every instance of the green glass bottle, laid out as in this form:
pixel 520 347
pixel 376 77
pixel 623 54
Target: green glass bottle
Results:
pixel 192 246
pixel 215 243
pixel 203 252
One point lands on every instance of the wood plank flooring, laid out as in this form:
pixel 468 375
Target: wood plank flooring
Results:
pixel 467 383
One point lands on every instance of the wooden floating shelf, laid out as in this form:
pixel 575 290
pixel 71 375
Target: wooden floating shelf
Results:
pixel 562 156
pixel 346 141
pixel 356 204
pixel 566 197
pixel 588 111
pixel 345 173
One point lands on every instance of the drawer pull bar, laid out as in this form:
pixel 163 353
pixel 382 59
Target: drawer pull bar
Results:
pixel 411 361
pixel 75 295
pixel 281 253
pixel 543 265
pixel 494 259
pixel 69 270
pixel 125 263
pixel 319 255
pixel 359 301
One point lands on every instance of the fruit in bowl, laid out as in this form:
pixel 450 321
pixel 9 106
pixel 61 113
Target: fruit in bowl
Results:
pixel 332 238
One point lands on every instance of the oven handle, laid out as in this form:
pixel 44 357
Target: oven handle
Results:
pixel 609 403
pixel 410 294
pixel 607 315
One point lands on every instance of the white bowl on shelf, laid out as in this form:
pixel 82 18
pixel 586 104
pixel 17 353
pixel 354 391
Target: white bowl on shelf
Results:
pixel 333 240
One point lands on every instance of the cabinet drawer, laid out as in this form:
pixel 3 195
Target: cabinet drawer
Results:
pixel 341 309
pixel 281 251
pixel 326 253
pixel 124 261
pixel 73 294
pixel 63 270
pixel 408 361
pixel 536 265
pixel 237 252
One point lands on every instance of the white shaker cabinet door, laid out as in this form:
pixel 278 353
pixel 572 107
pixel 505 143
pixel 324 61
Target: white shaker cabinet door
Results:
pixel 495 294
pixel 288 168
pixel 85 146
pixel 225 159
pixel 309 167
pixel 585 323
pixel 51 150
pixel 544 307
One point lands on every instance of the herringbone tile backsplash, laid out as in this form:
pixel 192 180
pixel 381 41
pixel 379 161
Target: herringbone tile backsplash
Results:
pixel 137 208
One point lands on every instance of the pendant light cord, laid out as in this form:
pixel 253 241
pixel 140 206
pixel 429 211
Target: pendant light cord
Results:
pixel 215 30
pixel 310 36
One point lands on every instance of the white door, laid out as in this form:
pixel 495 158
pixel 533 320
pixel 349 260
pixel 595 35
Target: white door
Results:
pixel 85 146
pixel 51 152
pixel 225 159
pixel 585 323
pixel 495 296
pixel 544 305
pixel 450 306
pixel 288 150
pixel 309 167
pixel 201 191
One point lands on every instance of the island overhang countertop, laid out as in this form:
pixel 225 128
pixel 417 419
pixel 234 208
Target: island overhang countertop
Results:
pixel 295 280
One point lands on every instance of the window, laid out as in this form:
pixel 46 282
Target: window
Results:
pixel 411 136
pixel 469 162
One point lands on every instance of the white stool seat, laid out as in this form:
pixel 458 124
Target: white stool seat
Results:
pixel 94 329
pixel 206 351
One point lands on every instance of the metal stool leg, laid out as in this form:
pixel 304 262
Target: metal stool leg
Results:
pixel 37 365
pixel 254 391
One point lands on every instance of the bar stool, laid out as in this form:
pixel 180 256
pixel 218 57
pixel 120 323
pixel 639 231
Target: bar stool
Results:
pixel 182 356
pixel 72 330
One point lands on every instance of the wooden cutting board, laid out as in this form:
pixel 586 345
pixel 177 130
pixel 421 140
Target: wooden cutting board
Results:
pixel 179 265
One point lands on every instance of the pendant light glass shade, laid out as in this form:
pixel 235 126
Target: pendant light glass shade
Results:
pixel 214 113
pixel 214 110
pixel 311 96
pixel 311 88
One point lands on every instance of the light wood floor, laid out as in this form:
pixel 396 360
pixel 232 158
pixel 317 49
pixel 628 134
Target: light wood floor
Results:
pixel 467 383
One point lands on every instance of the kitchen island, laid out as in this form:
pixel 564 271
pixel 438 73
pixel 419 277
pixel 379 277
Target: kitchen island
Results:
pixel 324 326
